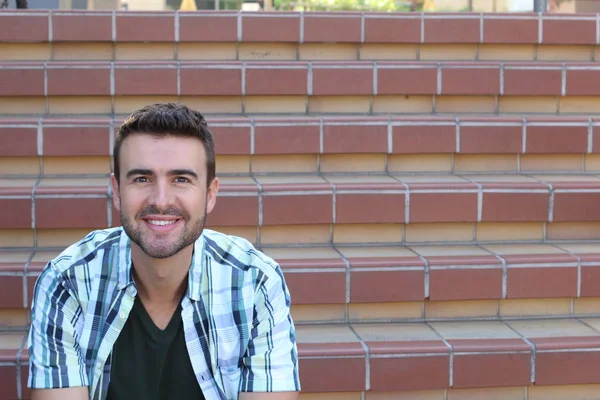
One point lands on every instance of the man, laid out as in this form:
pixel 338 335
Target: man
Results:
pixel 161 308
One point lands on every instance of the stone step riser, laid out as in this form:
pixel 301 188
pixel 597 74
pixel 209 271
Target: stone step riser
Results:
pixel 238 136
pixel 394 202
pixel 517 357
pixel 159 78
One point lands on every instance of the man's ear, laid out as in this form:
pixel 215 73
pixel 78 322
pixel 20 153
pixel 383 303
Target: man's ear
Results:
pixel 211 195
pixel 115 192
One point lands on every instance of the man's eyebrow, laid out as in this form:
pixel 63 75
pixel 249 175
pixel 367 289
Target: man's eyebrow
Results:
pixel 139 171
pixel 183 172
pixel 172 172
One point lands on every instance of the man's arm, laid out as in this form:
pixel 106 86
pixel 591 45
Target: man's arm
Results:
pixel 270 365
pixel 75 393
pixel 55 359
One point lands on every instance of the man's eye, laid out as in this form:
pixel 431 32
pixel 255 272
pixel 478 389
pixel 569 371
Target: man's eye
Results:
pixel 141 179
pixel 181 180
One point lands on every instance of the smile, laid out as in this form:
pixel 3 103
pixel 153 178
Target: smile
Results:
pixel 161 223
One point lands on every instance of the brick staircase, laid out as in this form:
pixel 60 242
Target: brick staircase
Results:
pixel 429 183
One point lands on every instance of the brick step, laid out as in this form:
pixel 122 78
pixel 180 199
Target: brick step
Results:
pixel 230 88
pixel 381 283
pixel 296 78
pixel 336 200
pixel 55 35
pixel 330 144
pixel 512 359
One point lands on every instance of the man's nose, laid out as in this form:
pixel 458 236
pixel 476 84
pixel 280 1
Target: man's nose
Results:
pixel 161 195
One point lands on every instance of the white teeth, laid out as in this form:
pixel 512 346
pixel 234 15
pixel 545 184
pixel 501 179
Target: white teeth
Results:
pixel 161 222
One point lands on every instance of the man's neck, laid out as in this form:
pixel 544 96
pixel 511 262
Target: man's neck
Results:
pixel 161 282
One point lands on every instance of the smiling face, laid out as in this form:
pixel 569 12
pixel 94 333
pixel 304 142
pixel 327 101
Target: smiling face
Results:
pixel 162 194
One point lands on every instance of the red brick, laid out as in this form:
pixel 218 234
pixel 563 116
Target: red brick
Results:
pixel 488 345
pixel 234 211
pixel 443 207
pixel 15 213
pixel 596 138
pixel 66 189
pixel 334 374
pixel 11 291
pixel 590 281
pixel 583 83
pixel 76 141
pixel 470 81
pixel 22 82
pixel 211 81
pixel 208 28
pixel 261 29
pixel 410 373
pixel 25 391
pixel 566 368
pixel 491 370
pixel 417 139
pixel 231 139
pixel 406 81
pixel 24 28
pixel 275 81
pixel 84 213
pixel 557 139
pixel 286 139
pixel 355 139
pixel 465 284
pixel 452 30
pixel 297 209
pixel 566 343
pixel 356 208
pixel 515 207
pixel 392 30
pixel 513 31
pixel 323 27
pixel 515 259
pixel 576 207
pixel 542 282
pixel 8 380
pixel 569 31
pixel 342 81
pixel 317 287
pixel 532 82
pixel 406 347
pixel 18 142
pixel 331 349
pixel 95 27
pixel 78 82
pixel 491 139
pixel 145 28
pixel 386 286
pixel 146 81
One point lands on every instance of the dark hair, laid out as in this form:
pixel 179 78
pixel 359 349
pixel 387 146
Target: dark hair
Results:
pixel 164 119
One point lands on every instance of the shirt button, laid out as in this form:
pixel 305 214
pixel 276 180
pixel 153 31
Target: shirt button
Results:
pixel 122 315
pixel 98 365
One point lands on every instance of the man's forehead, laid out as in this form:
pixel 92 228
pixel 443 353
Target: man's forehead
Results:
pixel 142 151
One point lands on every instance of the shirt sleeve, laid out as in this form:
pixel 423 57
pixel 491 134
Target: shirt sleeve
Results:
pixel 271 360
pixel 55 359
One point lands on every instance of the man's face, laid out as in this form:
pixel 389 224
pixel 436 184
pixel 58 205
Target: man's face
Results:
pixel 162 196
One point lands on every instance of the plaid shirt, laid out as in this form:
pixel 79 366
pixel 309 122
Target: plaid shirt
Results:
pixel 236 317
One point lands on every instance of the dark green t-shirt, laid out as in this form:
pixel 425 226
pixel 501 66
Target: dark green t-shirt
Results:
pixel 152 364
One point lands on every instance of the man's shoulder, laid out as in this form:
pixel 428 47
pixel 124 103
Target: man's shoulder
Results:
pixel 86 249
pixel 237 252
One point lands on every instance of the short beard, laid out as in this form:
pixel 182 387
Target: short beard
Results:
pixel 191 233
